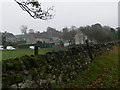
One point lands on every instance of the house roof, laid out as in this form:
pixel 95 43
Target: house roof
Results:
pixel 9 35
pixel 39 35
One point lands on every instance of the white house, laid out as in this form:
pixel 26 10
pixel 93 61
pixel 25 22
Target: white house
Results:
pixel 80 38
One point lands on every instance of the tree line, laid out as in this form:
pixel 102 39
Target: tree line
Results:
pixel 96 32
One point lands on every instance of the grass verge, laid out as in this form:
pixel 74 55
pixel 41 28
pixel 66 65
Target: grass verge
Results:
pixel 103 72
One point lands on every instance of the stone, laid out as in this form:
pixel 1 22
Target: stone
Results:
pixel 14 86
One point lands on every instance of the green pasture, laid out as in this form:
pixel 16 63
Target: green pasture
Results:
pixel 7 54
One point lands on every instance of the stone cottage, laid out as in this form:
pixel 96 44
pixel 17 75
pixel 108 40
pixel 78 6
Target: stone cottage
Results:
pixel 9 37
pixel 32 38
pixel 80 38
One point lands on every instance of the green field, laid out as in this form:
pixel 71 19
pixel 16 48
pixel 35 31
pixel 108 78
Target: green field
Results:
pixel 103 72
pixel 7 54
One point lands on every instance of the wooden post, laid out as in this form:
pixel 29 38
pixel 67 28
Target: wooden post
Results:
pixel 36 50
pixel 89 51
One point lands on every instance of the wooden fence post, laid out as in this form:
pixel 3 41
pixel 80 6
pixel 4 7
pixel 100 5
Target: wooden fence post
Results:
pixel 36 50
pixel 89 51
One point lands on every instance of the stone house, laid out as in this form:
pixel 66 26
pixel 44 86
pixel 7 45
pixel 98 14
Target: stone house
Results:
pixel 32 38
pixel 80 38
pixel 9 37
pixel 20 37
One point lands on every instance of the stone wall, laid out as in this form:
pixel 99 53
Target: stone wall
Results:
pixel 43 71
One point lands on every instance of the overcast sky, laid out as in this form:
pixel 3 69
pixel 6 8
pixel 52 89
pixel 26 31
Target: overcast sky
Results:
pixel 67 14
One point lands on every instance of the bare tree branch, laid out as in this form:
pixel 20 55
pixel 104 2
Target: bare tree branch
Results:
pixel 35 11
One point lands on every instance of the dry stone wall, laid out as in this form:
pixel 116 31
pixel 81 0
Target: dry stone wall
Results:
pixel 43 71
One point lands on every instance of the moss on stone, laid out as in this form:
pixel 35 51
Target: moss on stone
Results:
pixel 4 67
pixel 27 60
pixel 34 74
pixel 11 79
pixel 9 66
pixel 17 65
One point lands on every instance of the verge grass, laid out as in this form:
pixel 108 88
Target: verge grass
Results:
pixel 103 72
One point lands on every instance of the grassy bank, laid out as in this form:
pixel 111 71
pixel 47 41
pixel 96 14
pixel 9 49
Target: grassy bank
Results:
pixel 103 72
pixel 7 54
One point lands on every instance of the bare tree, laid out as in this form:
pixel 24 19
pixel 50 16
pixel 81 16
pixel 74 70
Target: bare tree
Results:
pixel 23 29
pixel 33 7
pixel 31 31
pixel 65 33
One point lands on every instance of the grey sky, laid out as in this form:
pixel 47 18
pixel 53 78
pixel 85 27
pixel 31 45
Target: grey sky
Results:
pixel 67 14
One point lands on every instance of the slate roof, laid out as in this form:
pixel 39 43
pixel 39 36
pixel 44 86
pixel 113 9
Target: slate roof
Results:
pixel 9 35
